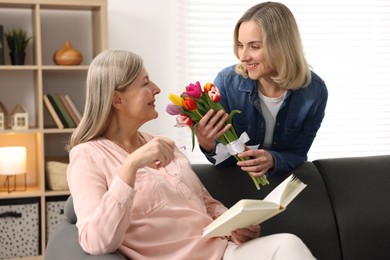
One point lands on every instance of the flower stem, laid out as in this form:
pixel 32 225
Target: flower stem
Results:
pixel 257 180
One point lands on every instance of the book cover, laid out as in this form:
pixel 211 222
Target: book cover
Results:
pixel 70 110
pixel 1 45
pixel 73 106
pixel 52 112
pixel 57 110
pixel 247 212
pixel 63 111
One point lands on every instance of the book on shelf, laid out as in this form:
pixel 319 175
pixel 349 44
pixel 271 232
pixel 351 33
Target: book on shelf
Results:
pixel 51 107
pixel 1 45
pixel 63 111
pixel 70 110
pixel 247 212
pixel 73 106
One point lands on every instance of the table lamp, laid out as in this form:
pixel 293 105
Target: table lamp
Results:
pixel 13 163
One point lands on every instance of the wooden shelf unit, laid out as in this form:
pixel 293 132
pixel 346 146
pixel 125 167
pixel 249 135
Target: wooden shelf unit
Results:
pixel 50 23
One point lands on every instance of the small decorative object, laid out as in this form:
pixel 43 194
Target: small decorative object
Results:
pixel 193 104
pixel 3 116
pixel 68 55
pixel 19 118
pixel 56 175
pixel 17 40
pixel 12 163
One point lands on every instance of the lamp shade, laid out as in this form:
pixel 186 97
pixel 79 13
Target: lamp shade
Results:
pixel 13 160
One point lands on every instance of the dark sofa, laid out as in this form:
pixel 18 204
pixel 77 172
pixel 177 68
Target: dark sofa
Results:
pixel 343 213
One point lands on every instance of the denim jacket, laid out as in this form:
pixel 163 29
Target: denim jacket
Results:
pixel 297 121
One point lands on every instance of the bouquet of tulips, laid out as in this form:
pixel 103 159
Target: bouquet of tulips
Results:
pixel 193 104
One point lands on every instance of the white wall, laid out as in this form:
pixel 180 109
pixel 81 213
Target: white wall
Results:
pixel 147 28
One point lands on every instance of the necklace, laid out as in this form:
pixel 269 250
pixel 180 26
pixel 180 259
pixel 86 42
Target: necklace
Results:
pixel 140 140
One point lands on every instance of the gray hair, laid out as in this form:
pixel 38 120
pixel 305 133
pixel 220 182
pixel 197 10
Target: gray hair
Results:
pixel 111 70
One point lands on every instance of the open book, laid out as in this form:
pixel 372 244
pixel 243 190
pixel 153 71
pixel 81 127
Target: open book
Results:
pixel 247 212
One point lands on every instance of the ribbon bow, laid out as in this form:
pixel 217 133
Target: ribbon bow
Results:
pixel 222 152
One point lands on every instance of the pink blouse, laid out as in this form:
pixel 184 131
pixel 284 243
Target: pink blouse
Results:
pixel 162 217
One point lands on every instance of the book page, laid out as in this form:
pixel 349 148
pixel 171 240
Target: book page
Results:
pixel 285 192
pixel 243 214
pixel 249 212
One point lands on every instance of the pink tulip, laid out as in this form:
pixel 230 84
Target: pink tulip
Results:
pixel 173 109
pixel 194 90
pixel 183 121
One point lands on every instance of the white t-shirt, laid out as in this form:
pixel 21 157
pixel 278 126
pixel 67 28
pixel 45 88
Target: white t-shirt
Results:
pixel 270 107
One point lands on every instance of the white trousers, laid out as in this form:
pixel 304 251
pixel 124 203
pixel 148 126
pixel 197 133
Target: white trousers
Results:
pixel 273 247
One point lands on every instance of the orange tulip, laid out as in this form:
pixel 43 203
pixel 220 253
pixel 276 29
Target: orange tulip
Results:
pixel 190 104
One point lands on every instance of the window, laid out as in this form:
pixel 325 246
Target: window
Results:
pixel 346 42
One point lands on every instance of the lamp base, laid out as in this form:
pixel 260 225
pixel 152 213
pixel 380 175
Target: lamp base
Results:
pixel 10 184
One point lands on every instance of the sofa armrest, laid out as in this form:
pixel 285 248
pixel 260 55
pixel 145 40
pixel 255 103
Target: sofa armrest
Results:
pixel 359 191
pixel 63 243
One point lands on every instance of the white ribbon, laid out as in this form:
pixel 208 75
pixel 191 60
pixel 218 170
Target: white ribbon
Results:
pixel 222 152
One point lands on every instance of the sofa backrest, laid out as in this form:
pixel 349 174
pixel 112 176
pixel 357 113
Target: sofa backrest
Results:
pixel 309 216
pixel 359 189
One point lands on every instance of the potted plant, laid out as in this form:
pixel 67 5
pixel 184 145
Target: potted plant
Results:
pixel 17 41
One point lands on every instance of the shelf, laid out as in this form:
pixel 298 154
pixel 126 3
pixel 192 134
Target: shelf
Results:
pixel 65 68
pixel 18 67
pixel 31 192
pixel 44 67
pixel 57 131
pixel 51 23
pixel 52 193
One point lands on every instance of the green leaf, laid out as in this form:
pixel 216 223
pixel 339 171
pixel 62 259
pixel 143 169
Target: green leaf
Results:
pixel 17 40
pixel 230 118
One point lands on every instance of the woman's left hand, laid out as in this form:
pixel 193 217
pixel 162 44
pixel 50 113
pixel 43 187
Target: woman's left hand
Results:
pixel 242 235
pixel 259 163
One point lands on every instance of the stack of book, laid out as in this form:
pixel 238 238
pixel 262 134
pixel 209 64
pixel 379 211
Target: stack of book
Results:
pixel 62 110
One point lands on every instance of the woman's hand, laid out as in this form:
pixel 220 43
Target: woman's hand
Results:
pixel 242 235
pixel 157 152
pixel 259 163
pixel 210 128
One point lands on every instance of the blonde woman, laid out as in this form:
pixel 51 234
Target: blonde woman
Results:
pixel 136 192
pixel 282 101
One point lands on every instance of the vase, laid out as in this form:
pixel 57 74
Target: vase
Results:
pixel 17 58
pixel 67 55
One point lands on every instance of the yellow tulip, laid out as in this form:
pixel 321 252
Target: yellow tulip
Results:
pixel 176 100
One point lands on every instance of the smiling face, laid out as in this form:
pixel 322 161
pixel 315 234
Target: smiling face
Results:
pixel 139 97
pixel 250 50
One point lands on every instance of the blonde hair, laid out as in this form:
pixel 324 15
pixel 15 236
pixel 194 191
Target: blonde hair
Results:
pixel 111 70
pixel 283 48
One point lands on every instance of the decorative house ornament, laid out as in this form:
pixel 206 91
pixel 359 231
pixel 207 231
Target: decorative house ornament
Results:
pixel 19 118
pixel 3 117
pixel 68 55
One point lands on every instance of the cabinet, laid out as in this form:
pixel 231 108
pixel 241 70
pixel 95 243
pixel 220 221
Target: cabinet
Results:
pixel 51 23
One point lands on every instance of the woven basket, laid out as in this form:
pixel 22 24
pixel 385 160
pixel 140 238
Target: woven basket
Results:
pixel 56 175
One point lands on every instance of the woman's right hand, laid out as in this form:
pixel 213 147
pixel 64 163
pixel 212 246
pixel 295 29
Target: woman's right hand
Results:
pixel 158 152
pixel 210 128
